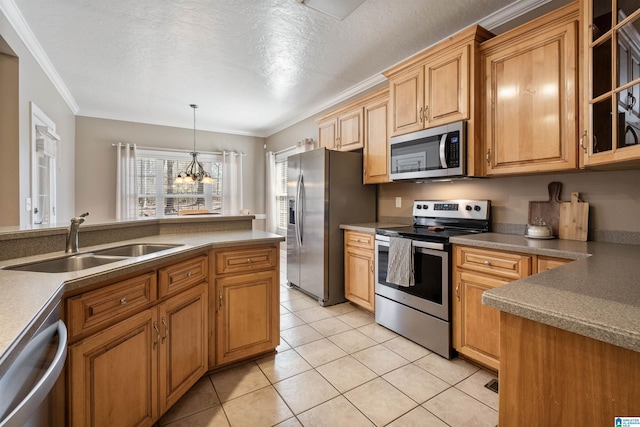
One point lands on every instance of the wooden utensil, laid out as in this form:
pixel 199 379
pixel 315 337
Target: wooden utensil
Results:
pixel 574 219
pixel 548 211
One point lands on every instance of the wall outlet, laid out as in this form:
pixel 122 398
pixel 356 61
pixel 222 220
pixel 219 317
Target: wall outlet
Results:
pixel 27 204
pixel 398 202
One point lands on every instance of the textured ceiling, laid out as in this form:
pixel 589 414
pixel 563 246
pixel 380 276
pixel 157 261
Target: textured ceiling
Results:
pixel 253 67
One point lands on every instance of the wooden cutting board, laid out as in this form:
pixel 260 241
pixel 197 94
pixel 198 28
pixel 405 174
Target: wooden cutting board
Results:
pixel 548 211
pixel 574 219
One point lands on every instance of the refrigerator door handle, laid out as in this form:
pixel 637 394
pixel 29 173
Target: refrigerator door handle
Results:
pixel 297 213
pixel 301 210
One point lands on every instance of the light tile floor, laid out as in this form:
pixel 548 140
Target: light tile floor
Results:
pixel 336 367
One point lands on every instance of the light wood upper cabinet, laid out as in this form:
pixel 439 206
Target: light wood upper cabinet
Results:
pixel 610 135
pixel 359 269
pixel 376 147
pixel 361 124
pixel 342 132
pixel 438 87
pixel 530 96
pixel 327 133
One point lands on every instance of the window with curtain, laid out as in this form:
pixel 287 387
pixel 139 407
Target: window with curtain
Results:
pixel 281 196
pixel 158 195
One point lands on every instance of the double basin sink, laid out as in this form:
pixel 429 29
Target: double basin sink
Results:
pixel 82 261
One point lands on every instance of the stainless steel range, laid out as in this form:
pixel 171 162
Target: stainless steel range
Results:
pixel 421 310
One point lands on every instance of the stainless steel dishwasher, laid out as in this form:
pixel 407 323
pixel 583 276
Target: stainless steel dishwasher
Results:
pixel 26 385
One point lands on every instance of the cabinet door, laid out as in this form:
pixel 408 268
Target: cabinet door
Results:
pixel 351 130
pixel 447 88
pixel 406 94
pixel 610 136
pixel 113 375
pixel 183 343
pixel 476 326
pixel 530 86
pixel 327 134
pixel 376 147
pixel 359 276
pixel 248 320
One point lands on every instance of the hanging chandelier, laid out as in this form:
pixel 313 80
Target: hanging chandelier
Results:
pixel 195 171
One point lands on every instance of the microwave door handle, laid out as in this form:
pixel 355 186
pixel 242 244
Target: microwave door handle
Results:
pixel 443 145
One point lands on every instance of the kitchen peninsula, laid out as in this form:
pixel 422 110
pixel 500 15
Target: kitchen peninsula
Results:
pixel 570 336
pixel 217 271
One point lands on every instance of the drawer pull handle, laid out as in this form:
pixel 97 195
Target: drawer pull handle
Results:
pixel 486 262
pixel 166 330
pixel 220 298
pixel 155 326
pixel 458 291
pixel 123 300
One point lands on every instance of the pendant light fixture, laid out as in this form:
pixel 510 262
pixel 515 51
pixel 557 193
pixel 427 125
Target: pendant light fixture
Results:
pixel 195 171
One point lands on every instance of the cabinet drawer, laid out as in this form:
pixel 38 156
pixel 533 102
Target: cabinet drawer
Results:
pixel 183 275
pixel 547 263
pixel 246 260
pixel 360 240
pixel 504 264
pixel 99 308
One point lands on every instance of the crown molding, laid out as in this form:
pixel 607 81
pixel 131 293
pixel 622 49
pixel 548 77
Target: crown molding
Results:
pixel 17 21
pixel 510 12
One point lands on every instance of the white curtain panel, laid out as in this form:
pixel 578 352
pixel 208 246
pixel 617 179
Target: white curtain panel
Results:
pixel 270 184
pixel 126 185
pixel 232 183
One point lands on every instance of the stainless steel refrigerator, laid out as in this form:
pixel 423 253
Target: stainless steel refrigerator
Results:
pixel 324 190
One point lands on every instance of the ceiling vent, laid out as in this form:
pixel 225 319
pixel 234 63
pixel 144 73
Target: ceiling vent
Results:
pixel 339 9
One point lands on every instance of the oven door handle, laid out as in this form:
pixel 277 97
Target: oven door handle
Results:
pixel 443 145
pixel 384 241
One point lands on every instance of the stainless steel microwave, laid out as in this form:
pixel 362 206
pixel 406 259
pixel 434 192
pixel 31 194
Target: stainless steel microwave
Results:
pixel 437 152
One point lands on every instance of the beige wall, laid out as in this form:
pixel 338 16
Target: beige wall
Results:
pixel 613 196
pixel 34 86
pixel 96 166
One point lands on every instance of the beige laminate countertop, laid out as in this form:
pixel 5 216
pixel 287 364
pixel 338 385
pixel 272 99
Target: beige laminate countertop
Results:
pixel 28 297
pixel 597 295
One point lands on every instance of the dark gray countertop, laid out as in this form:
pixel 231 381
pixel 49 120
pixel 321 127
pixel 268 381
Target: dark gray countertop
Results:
pixel 597 295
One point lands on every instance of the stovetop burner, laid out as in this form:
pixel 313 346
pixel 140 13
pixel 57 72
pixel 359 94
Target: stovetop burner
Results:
pixel 439 220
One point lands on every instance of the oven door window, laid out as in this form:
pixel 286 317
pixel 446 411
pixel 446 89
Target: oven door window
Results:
pixel 430 294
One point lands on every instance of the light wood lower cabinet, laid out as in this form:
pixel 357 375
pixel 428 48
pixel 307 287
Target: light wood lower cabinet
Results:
pixel 359 268
pixel 245 307
pixel 113 375
pixel 129 372
pixel 476 327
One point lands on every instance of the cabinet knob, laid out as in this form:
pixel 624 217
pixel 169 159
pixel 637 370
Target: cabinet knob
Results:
pixel 488 156
pixel 248 260
pixel 458 291
pixel 487 262
pixel 189 274
pixel 584 147
pixel 123 300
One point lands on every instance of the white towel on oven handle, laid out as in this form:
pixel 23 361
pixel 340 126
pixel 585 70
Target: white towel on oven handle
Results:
pixel 400 262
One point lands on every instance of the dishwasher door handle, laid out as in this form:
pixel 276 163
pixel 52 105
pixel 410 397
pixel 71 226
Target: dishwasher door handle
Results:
pixel 41 389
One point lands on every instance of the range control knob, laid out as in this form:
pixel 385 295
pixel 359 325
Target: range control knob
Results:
pixel 476 208
pixel 418 206
pixel 468 208
pixel 425 206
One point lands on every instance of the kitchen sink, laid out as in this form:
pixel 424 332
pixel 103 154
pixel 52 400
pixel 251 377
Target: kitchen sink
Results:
pixel 136 249
pixel 66 264
pixel 92 259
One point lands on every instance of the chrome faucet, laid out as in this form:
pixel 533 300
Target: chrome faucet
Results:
pixel 72 233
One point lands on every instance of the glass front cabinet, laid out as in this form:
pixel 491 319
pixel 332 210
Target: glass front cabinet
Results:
pixel 611 137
